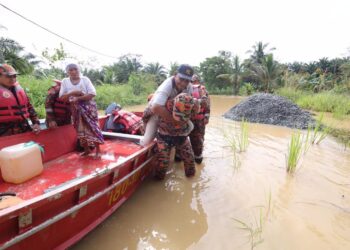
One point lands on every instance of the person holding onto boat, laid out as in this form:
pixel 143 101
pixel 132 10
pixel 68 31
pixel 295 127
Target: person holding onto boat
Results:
pixel 174 133
pixel 15 106
pixel 57 111
pixel 200 120
pixel 79 91
pixel 171 87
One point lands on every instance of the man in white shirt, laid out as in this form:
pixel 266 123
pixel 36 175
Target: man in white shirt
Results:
pixel 169 89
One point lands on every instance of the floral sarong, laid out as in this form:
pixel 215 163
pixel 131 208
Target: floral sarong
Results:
pixel 85 120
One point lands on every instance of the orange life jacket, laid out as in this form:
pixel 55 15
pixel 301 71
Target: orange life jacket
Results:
pixel 131 122
pixel 12 110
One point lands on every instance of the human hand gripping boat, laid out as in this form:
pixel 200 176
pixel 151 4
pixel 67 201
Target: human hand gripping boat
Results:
pixel 72 194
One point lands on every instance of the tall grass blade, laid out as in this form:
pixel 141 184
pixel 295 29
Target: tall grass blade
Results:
pixel 294 152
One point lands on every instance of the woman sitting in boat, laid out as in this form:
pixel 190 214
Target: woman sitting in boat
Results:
pixel 79 91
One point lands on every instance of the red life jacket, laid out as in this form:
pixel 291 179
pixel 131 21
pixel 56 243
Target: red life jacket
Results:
pixel 61 109
pixel 197 93
pixel 10 109
pixel 131 122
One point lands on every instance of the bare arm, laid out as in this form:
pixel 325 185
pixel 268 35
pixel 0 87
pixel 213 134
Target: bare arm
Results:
pixel 86 97
pixel 76 93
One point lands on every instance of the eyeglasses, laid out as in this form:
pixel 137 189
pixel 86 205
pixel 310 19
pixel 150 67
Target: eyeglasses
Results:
pixel 9 76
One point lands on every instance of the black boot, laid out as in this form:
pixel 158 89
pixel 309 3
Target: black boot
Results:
pixel 198 159
pixel 177 158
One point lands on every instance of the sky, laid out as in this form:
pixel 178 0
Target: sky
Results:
pixel 183 31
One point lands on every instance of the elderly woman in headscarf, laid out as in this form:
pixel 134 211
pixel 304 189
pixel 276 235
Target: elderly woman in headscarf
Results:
pixel 79 91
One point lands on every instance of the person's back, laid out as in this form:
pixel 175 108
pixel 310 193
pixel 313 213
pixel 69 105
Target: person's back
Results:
pixel 57 111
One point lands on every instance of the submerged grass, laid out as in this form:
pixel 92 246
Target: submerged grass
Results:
pixel 299 144
pixel 320 132
pixel 255 228
pixel 243 138
pixel 294 152
pixel 237 143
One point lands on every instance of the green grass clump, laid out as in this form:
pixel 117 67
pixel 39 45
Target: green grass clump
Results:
pixel 243 137
pixel 237 143
pixel 294 152
pixel 255 228
pixel 319 132
pixel 327 101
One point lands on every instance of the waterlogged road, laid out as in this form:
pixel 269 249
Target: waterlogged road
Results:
pixel 239 202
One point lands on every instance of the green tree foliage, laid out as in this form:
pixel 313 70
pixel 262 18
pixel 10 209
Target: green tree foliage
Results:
pixel 94 75
pixel 13 53
pixel 157 70
pixel 235 75
pixel 258 52
pixel 59 54
pixel 267 72
pixel 119 72
pixel 173 68
pixel 214 66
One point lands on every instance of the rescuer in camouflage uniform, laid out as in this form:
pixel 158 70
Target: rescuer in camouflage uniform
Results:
pixel 175 134
pixel 200 120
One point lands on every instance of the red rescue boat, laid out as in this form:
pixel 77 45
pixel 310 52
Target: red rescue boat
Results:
pixel 73 194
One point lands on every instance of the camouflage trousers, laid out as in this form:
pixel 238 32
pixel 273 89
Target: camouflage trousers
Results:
pixel 197 138
pixel 183 148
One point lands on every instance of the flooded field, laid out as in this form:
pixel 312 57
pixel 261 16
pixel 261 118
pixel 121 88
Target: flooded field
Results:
pixel 243 202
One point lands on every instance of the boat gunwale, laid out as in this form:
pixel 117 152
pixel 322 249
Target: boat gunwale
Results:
pixel 71 210
pixel 75 184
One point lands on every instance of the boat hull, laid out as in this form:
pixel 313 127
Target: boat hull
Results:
pixel 64 214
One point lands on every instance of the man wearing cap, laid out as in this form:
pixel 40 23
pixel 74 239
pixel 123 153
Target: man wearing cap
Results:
pixel 171 87
pixel 175 134
pixel 15 107
pixel 57 111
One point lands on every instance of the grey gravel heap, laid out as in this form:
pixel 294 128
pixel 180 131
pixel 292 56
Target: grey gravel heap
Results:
pixel 271 109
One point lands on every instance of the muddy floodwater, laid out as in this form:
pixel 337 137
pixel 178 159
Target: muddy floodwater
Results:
pixel 243 202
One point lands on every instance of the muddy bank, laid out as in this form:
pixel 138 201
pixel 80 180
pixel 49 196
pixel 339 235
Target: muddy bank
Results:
pixel 271 109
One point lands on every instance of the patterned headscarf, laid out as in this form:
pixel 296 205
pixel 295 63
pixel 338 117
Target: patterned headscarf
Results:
pixel 183 107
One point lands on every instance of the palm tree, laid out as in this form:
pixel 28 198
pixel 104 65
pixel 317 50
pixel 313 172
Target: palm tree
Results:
pixel 11 52
pixel 235 77
pixel 173 68
pixel 157 70
pixel 267 72
pixel 258 52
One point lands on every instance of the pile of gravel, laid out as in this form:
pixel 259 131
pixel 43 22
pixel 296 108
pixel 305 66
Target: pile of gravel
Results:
pixel 271 109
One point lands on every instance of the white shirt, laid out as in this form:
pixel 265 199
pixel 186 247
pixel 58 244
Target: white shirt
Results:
pixel 84 85
pixel 167 91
